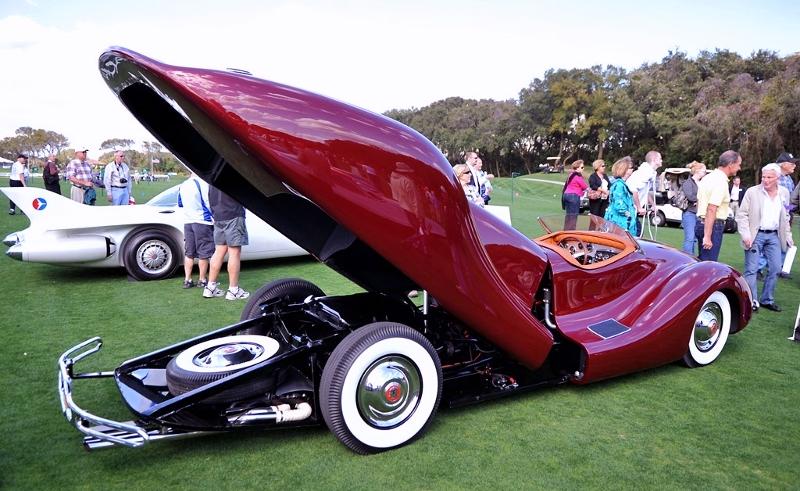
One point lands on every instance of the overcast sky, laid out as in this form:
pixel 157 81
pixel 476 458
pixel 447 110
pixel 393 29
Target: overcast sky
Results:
pixel 375 54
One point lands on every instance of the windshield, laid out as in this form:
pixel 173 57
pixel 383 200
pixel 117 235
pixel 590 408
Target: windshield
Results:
pixel 166 198
pixel 583 223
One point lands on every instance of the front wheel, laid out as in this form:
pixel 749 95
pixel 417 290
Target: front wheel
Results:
pixel 151 255
pixel 710 332
pixel 380 387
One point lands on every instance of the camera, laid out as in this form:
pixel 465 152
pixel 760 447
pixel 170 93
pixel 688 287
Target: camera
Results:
pixel 122 180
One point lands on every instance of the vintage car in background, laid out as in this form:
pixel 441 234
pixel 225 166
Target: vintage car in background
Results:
pixel 146 239
pixel 666 213
pixel 376 201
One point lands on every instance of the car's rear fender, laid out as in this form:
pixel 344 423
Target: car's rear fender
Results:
pixel 656 327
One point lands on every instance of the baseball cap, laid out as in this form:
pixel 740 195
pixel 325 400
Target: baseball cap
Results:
pixel 786 157
pixel 22 156
pixel 82 149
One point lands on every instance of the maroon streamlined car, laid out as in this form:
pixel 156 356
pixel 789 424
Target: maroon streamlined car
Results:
pixel 377 202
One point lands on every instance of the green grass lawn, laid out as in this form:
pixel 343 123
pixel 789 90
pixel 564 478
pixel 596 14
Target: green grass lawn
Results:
pixel 731 425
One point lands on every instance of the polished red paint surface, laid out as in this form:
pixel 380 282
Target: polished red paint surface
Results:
pixel 657 293
pixel 394 190
pixel 384 182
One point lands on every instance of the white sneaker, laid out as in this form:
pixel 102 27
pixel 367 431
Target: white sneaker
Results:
pixel 212 290
pixel 236 294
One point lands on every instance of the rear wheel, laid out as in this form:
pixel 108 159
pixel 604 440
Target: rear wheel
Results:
pixel 292 290
pixel 710 332
pixel 380 387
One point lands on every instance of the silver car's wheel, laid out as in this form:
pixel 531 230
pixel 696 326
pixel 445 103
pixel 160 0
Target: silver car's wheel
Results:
pixel 381 387
pixel 151 255
pixel 710 331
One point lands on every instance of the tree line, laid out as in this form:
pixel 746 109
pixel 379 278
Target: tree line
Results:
pixel 688 109
pixel 38 144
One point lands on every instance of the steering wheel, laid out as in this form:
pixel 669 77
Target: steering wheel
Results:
pixel 564 242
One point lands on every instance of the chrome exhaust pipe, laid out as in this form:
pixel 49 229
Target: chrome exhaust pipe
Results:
pixel 282 413
pixel 547 298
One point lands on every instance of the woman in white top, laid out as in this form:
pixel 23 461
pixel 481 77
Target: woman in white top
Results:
pixel 464 175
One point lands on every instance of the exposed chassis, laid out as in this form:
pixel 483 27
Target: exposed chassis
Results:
pixel 473 371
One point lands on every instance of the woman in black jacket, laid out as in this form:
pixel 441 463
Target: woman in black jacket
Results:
pixel 598 189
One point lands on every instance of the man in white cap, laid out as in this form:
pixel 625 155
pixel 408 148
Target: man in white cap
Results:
pixel 16 178
pixel 79 174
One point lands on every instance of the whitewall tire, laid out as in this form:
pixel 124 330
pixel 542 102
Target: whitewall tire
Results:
pixel 218 358
pixel 710 331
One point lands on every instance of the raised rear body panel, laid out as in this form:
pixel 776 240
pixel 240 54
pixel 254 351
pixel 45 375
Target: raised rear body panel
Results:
pixel 368 196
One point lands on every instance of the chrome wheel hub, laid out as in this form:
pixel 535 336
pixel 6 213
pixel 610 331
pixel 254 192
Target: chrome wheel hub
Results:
pixel 227 355
pixel 389 391
pixel 153 256
pixel 707 327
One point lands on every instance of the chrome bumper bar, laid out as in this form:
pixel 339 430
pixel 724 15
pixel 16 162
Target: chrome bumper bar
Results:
pixel 101 432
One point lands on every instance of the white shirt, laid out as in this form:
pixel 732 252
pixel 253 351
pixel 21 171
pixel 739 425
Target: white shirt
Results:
pixel 770 212
pixel 194 201
pixel 17 171
pixel 642 181
pixel 113 174
pixel 734 193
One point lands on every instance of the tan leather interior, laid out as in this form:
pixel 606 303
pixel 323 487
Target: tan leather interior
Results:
pixel 552 241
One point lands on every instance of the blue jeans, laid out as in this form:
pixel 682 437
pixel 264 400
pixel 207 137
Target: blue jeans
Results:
pixel 572 206
pixel 716 240
pixel 688 221
pixel 769 245
pixel 120 196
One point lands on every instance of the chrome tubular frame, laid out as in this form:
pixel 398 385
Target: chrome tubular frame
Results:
pixel 101 432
